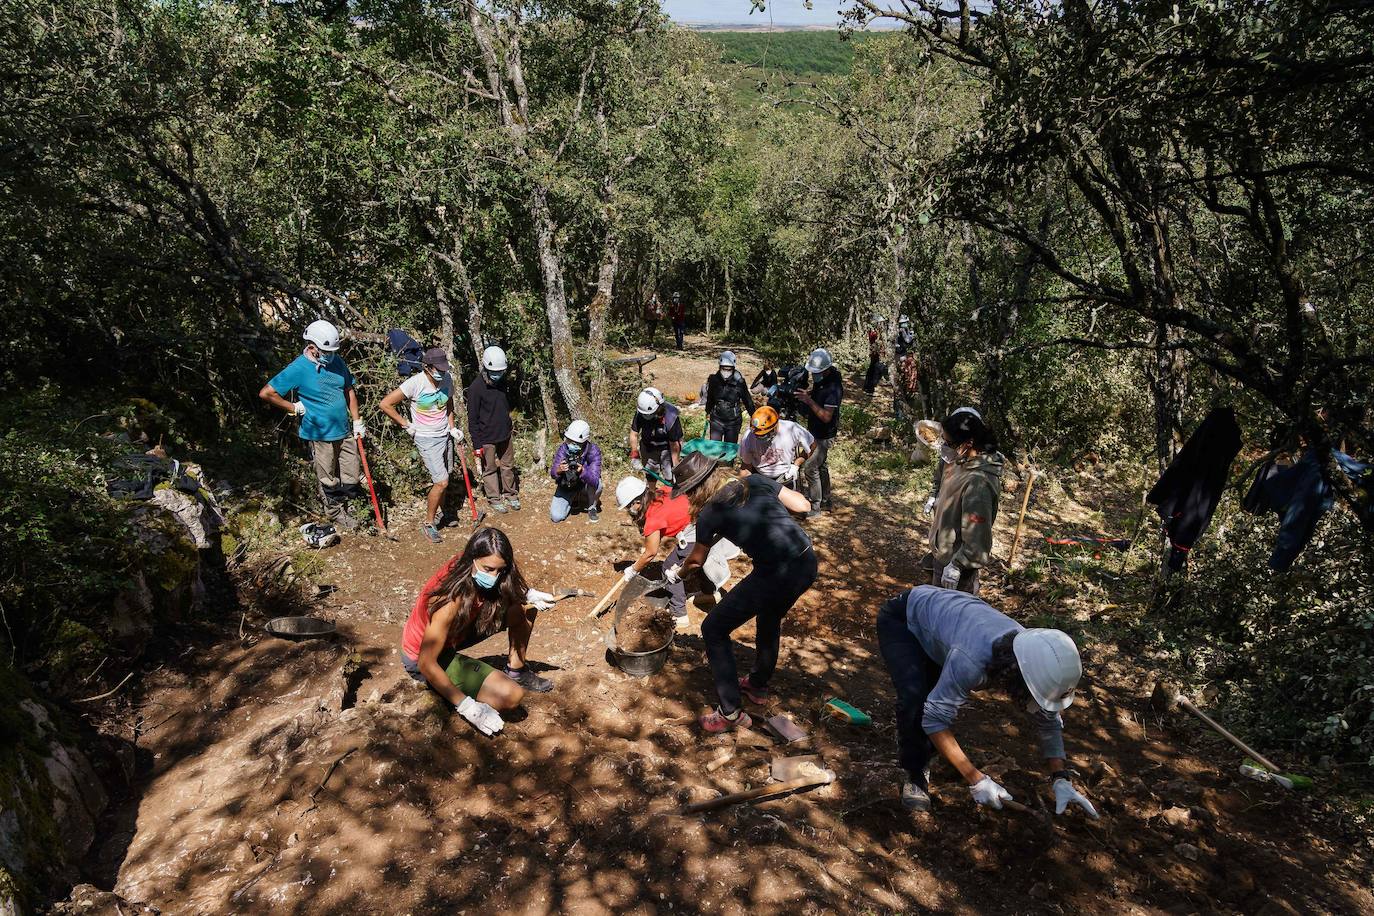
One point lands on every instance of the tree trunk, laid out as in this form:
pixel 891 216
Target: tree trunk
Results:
pixel 460 404
pixel 596 316
pixel 729 300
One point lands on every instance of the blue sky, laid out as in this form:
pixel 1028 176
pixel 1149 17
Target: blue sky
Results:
pixel 785 12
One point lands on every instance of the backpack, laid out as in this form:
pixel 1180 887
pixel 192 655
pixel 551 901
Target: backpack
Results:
pixel 409 353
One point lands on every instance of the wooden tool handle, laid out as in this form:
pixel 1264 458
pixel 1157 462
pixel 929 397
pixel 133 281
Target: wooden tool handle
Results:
pixel 1245 748
pixel 764 791
pixel 606 600
pixel 1021 520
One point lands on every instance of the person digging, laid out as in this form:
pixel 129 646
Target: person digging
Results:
pixel 655 434
pixel 659 515
pixel 326 401
pixel 755 513
pixel 776 448
pixel 475 595
pixel 940 646
pixel 430 395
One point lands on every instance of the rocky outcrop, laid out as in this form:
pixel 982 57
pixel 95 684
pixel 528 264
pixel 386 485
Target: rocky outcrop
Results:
pixel 50 798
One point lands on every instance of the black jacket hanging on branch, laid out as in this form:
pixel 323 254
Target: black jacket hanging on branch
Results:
pixel 1190 488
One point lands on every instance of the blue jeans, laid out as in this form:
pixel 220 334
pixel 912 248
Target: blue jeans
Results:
pixel 678 329
pixel 914 674
pixel 565 499
pixel 767 593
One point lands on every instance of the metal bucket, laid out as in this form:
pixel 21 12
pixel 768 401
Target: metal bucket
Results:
pixel 636 664
pixel 300 627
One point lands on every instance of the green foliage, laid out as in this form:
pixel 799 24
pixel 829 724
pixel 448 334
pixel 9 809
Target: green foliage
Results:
pixel 800 53
pixel 1292 654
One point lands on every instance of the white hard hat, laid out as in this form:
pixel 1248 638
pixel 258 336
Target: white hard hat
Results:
pixel 1049 665
pixel 819 361
pixel 628 490
pixel 323 335
pixel 658 395
pixel 904 320
pixel 647 404
pixel 494 359
pixel 727 359
pixel 578 431
pixel 971 410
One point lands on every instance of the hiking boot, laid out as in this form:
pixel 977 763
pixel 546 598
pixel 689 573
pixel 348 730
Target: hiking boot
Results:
pixel 514 503
pixel 717 722
pixel 499 506
pixel 528 679
pixel 593 515
pixel 914 798
pixel 759 696
pixel 431 531
pixel 344 522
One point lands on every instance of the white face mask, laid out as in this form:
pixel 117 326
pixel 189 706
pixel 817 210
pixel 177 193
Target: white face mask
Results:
pixel 947 455
pixel 316 355
pixel 726 373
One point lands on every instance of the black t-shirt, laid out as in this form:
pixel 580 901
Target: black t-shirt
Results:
pixel 761 526
pixel 657 431
pixel 828 392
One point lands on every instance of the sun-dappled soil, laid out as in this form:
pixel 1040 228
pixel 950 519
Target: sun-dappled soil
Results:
pixel 315 777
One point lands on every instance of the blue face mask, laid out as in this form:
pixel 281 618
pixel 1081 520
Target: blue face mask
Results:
pixel 485 580
pixel 574 448
pixel 496 376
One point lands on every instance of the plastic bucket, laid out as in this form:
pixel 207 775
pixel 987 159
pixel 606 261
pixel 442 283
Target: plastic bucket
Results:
pixel 299 627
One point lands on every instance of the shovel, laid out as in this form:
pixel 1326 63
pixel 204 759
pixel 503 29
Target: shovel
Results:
pixel 806 773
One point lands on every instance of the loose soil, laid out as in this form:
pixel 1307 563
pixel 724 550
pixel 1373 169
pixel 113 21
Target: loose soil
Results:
pixel 644 628
pixel 314 776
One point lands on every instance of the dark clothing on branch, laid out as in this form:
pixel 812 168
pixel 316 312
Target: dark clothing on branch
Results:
pixel 1300 495
pixel 1190 488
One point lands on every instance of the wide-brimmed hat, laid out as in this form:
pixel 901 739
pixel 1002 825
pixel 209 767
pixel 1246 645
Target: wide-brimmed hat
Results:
pixel 691 471
pixel 436 357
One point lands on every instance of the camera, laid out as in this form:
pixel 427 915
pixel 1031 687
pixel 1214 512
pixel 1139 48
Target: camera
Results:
pixel 571 478
pixel 784 398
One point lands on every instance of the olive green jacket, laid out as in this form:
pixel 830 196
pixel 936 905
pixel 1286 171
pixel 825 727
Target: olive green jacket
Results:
pixel 961 531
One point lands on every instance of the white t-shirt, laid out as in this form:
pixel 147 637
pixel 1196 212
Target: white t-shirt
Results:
pixel 772 456
pixel 428 404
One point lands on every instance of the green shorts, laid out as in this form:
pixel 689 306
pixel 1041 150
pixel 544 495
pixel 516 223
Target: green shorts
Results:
pixel 467 674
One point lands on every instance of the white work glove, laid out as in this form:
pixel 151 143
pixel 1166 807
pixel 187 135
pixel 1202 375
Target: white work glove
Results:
pixel 359 429
pixel 930 505
pixel 1065 794
pixel 542 601
pixel 456 433
pixel 483 718
pixel 629 573
pixel 636 464
pixel 298 409
pixel 673 574
pixel 987 792
pixel 412 430
pixel 790 474
pixel 949 578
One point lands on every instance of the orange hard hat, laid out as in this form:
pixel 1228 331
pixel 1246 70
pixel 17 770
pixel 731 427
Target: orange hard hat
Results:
pixel 764 421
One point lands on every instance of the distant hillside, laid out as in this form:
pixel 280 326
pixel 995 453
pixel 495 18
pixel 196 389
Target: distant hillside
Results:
pixel 810 52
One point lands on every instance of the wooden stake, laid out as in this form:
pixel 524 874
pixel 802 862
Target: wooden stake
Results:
pixel 1021 520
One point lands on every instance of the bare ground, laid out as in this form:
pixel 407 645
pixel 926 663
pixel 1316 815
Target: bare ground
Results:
pixel 314 777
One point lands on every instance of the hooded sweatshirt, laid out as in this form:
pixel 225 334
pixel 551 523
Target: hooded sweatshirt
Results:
pixel 965 511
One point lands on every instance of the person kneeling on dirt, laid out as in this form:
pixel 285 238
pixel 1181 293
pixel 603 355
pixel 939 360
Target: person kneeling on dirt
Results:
pixel 776 448
pixel 477 594
pixel 724 393
pixel 660 515
pixel 576 471
pixel 941 645
pixel 430 393
pixel 970 488
pixel 754 512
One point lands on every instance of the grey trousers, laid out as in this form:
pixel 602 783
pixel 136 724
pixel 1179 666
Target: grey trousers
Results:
pixel 816 470
pixel 339 470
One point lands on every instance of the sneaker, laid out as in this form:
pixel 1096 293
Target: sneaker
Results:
pixel 431 531
pixel 593 515
pixel 759 696
pixel 716 721
pixel 814 513
pixel 529 680
pixel 499 506
pixel 914 798
pixel 514 503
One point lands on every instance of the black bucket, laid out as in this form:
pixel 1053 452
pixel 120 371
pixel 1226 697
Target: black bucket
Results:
pixel 635 664
pixel 300 627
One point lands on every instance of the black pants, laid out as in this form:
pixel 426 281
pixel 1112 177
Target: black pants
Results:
pixel 679 328
pixel 767 593
pixel 875 368
pixel 914 674
pixel 724 430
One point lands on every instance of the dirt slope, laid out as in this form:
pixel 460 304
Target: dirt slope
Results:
pixel 280 782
